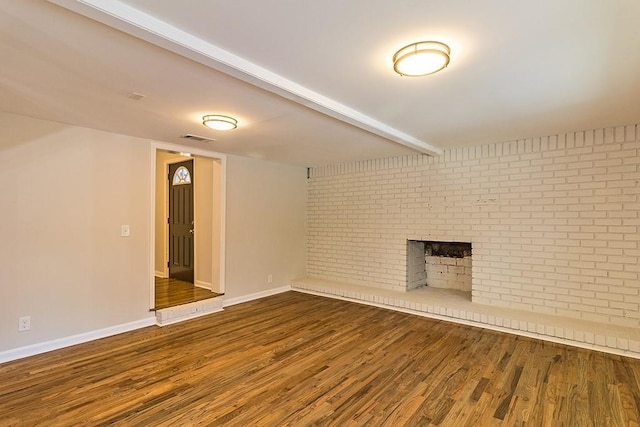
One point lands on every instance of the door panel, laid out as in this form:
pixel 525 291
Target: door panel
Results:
pixel 181 230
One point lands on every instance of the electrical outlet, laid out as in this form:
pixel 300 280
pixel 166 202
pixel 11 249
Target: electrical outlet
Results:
pixel 270 278
pixel 24 323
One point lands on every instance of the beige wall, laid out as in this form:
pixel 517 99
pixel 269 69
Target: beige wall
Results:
pixel 265 225
pixel 203 221
pixel 160 226
pixel 217 260
pixel 65 193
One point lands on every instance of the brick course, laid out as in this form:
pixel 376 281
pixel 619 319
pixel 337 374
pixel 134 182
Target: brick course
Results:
pixel 553 221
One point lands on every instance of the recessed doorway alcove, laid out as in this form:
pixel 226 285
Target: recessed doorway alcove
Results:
pixel 444 265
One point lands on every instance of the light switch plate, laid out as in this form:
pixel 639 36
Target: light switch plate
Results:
pixel 124 231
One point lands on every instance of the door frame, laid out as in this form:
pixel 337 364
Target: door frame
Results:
pixel 167 206
pixel 165 213
pixel 220 187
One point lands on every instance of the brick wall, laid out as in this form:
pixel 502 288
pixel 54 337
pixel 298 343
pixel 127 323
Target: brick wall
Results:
pixel 448 272
pixel 553 221
pixel 416 265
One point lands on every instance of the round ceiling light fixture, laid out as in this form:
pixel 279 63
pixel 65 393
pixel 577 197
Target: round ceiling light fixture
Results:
pixel 421 59
pixel 217 122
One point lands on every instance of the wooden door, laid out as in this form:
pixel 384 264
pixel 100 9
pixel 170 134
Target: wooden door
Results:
pixel 181 232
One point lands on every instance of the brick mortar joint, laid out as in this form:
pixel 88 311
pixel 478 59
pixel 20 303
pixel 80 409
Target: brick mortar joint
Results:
pixel 520 146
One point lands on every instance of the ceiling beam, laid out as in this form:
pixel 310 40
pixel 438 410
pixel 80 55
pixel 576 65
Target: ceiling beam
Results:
pixel 123 17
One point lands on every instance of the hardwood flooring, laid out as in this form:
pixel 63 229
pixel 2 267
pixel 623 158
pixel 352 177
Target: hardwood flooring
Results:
pixel 172 292
pixel 296 359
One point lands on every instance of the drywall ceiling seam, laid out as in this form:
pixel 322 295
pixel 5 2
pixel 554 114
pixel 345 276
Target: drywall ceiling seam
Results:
pixel 123 17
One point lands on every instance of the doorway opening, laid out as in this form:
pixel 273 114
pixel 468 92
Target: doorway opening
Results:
pixel 188 210
pixel 172 292
pixel 181 221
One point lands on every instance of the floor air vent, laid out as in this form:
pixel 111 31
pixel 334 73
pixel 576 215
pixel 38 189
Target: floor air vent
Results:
pixel 196 138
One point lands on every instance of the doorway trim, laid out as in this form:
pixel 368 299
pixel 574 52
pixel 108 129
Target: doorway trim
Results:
pixel 155 146
pixel 165 213
pixel 181 223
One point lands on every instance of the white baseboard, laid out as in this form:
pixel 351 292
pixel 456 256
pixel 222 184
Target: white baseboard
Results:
pixel 32 350
pixel 257 295
pixel 189 317
pixel 204 285
pixel 179 313
pixel 160 274
pixel 476 324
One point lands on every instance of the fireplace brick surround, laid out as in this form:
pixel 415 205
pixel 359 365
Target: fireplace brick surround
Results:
pixel 554 221
pixel 443 265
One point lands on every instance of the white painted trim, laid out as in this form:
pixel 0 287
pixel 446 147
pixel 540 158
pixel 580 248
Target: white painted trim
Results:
pixel 32 350
pixel 542 337
pixel 165 246
pixel 187 317
pixel 152 222
pixel 160 274
pixel 194 182
pixel 204 285
pixel 165 215
pixel 223 226
pixel 130 20
pixel 154 147
pixel 246 298
pixel 165 236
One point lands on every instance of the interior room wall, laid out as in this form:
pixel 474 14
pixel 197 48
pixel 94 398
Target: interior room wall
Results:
pixel 66 192
pixel 266 205
pixel 554 221
pixel 203 221
pixel 160 225
pixel 217 260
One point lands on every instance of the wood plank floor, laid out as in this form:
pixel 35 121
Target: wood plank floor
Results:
pixel 296 359
pixel 172 292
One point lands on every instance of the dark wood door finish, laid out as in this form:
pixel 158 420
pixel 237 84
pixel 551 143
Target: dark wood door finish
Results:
pixel 181 231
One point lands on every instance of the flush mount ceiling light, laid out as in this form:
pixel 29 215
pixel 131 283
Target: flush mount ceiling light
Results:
pixel 421 58
pixel 217 122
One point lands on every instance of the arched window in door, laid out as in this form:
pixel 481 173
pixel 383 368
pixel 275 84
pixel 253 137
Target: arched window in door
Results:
pixel 181 176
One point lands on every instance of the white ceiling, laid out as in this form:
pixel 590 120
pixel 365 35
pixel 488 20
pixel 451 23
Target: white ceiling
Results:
pixel 311 82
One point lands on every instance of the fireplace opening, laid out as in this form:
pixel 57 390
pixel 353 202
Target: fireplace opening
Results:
pixel 445 265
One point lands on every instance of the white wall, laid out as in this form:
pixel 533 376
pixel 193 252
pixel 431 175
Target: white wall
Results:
pixel 65 193
pixel 554 222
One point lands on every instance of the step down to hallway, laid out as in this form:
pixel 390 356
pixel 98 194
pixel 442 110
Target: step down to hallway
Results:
pixel 179 313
